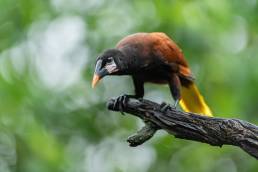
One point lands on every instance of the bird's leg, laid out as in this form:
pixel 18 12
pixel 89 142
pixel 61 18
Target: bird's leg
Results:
pixel 174 85
pixel 176 102
pixel 139 92
pixel 139 87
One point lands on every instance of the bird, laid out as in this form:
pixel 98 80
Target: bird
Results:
pixel 153 57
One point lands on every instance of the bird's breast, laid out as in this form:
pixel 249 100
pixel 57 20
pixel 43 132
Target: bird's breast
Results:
pixel 154 75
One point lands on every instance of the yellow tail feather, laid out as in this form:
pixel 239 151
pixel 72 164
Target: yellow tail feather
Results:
pixel 192 101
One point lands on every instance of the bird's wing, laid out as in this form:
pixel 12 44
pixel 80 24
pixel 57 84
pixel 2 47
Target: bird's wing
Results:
pixel 171 53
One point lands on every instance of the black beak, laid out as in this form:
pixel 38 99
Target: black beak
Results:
pixel 99 73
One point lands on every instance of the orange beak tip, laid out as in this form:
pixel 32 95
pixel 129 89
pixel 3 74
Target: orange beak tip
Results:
pixel 95 80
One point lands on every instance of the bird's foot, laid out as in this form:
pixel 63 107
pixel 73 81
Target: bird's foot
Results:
pixel 120 103
pixel 165 106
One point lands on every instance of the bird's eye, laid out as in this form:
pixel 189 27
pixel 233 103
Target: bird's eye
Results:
pixel 109 59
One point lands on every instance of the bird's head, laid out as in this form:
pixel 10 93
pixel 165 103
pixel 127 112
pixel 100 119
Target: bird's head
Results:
pixel 108 63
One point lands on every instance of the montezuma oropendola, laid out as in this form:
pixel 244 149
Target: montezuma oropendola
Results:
pixel 153 57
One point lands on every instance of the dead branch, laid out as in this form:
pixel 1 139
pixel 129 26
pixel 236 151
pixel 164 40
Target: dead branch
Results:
pixel 190 126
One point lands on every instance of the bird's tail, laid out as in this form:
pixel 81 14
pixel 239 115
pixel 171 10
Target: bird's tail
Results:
pixel 192 101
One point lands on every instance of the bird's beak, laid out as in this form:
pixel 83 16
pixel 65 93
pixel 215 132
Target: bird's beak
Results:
pixel 98 74
pixel 95 80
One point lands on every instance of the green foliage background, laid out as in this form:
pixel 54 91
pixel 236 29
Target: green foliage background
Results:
pixel 51 119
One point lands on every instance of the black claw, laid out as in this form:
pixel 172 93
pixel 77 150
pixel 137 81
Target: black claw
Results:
pixel 115 103
pixel 164 107
pixel 122 100
pixel 120 107
pixel 125 99
pixel 121 104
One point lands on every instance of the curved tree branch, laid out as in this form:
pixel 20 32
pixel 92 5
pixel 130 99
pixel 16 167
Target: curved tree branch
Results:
pixel 190 126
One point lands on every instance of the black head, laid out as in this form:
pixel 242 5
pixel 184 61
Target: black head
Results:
pixel 108 63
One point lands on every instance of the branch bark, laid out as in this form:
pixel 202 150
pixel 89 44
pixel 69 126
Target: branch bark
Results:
pixel 184 125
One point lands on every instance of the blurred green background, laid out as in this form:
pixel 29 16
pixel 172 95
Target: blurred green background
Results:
pixel 51 119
